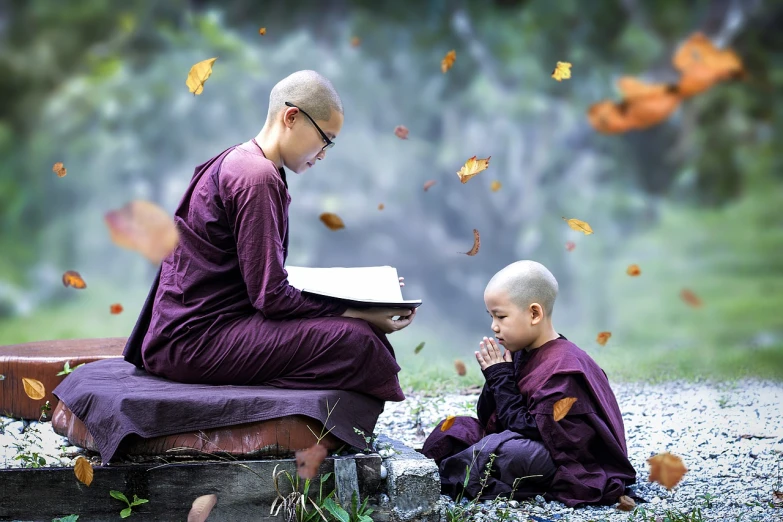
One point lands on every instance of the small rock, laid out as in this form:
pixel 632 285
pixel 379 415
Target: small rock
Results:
pixel 540 499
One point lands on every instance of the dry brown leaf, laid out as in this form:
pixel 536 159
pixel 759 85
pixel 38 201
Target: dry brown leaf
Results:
pixel 472 167
pixel 144 227
pixel 570 245
pixel 689 297
pixel 666 469
pixel 429 184
pixel 380 206
pixel 332 221
pixel 34 388
pixel 603 337
pixel 72 278
pixel 59 169
pixel 562 71
pixel 633 270
pixel 116 308
pixel 562 407
pixel 608 117
pixel 201 508
pixel 448 423
pixel 401 131
pixel 262 31
pixel 476 244
pixel 460 367
pixel 355 41
pixel 83 470
pixel 448 61
pixel 495 186
pixel 579 226
pixel 198 75
pixel 308 461
pixel 626 503
pixel 777 499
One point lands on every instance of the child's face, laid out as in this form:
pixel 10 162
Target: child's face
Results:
pixel 515 329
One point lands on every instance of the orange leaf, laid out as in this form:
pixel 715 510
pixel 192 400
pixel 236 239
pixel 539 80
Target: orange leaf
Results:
pixel 460 367
pixel 332 221
pixel 631 87
pixel 603 337
pixel 562 407
pixel 201 508
pixel 72 278
pixel 626 503
pixel 472 167
pixel 647 111
pixel 495 186
pixel 633 270
pixel 116 308
pixel 144 227
pixel 562 71
pixel 59 169
pixel 699 51
pixel 689 297
pixel 570 245
pixel 476 244
pixel 428 184
pixel 355 41
pixel 607 118
pixel 309 460
pixel 448 423
pixel 448 61
pixel 262 31
pixel 666 469
pixel 579 225
pixel 83 470
pixel 401 131
pixel 34 388
pixel 380 206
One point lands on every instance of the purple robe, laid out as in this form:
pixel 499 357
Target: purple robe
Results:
pixel 221 310
pixel 587 447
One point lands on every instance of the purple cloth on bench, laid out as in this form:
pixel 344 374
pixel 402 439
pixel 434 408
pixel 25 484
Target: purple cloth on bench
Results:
pixel 114 398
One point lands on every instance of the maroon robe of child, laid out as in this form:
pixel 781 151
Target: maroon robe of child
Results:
pixel 221 310
pixel 581 459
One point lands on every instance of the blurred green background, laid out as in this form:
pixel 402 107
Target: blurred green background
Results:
pixel 695 202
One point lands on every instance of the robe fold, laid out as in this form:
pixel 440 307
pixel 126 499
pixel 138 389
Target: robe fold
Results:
pixel 587 447
pixel 221 311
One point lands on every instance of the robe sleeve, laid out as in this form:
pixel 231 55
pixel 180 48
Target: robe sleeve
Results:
pixel 511 405
pixel 486 405
pixel 257 217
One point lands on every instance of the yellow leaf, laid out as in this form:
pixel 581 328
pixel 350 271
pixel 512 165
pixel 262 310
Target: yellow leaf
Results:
pixel 198 75
pixel 262 31
pixel 495 186
pixel 448 61
pixel 34 388
pixel 579 226
pixel 144 227
pixel 83 471
pixel 666 469
pixel 562 71
pixel 332 221
pixel 562 407
pixel 448 423
pixel 472 167
pixel 603 337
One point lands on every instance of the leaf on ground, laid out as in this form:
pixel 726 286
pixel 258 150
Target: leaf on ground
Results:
pixel 562 407
pixel 495 186
pixel 418 347
pixel 448 61
pixel 472 167
pixel 460 367
pixel 201 508
pixel 198 75
pixel 59 169
pixel 570 245
pixel 448 423
pixel 74 279
pixel 626 503
pixel 83 470
pixel 476 244
pixel 332 221
pixel 429 184
pixel 777 498
pixel 633 270
pixel 116 308
pixel 690 298
pixel 309 460
pixel 579 225
pixel 401 131
pixel 603 337
pixel 34 388
pixel 666 469
pixel 144 227
pixel 562 71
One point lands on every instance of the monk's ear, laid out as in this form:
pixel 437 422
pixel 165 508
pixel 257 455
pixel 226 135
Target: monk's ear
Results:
pixel 536 313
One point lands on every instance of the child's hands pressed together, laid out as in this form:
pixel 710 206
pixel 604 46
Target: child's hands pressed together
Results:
pixel 489 354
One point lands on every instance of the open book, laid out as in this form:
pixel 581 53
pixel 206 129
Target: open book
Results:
pixel 361 287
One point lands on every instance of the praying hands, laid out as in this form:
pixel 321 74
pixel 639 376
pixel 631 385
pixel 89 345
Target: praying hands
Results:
pixel 489 354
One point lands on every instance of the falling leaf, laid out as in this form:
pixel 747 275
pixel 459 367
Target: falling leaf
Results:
pixel 460 367
pixel 603 337
pixel 631 87
pixel 702 65
pixel 633 270
pixel 59 169
pixel 355 41
pixel 428 184
pixel 418 347
pixel 308 461
pixel 644 112
pixel 201 508
pixel 495 186
pixel 666 469
pixel 570 245
pixel 72 278
pixel 116 308
pixel 562 407
pixel 608 117
pixel 448 423
pixel 626 503
pixel 401 131
pixel 198 75
pixel 144 227
pixel 332 221
pixel 579 226
pixel 34 388
pixel 83 470
pixel 380 206
pixel 262 31
pixel 448 60
pixel 476 244
pixel 689 297
pixel 562 71
pixel 472 167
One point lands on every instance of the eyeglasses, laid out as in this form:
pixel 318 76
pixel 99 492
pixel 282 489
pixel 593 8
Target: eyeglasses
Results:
pixel 329 143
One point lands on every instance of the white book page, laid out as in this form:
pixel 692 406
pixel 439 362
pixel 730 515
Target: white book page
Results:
pixel 372 283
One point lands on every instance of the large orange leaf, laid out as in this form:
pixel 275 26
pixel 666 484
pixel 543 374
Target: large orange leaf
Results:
pixel 608 117
pixel 562 407
pixel 472 167
pixel 83 470
pixel 308 461
pixel 666 469
pixel 448 423
pixel 647 111
pixel 34 388
pixel 198 75
pixel 144 227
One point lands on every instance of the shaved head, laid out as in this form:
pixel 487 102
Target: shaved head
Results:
pixel 526 282
pixel 309 91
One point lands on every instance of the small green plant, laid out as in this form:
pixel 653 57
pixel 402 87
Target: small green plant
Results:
pixel 67 368
pixel 359 513
pixel 708 498
pixel 69 518
pixel 26 449
pixel 125 513
pixel 669 515
pixel 369 441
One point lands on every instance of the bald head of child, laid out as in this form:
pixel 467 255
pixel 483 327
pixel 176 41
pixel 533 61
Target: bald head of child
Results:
pixel 520 299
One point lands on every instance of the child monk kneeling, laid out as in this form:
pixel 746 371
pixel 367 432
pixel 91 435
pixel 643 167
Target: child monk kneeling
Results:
pixel 579 459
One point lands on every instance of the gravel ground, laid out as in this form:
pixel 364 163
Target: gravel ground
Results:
pixel 730 437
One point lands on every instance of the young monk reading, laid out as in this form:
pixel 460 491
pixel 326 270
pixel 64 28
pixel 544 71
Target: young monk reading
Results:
pixel 221 310
pixel 580 459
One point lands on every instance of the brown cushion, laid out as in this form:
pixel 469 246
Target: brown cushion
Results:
pixel 269 438
pixel 43 361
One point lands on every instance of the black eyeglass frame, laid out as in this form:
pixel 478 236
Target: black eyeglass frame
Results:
pixel 329 143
